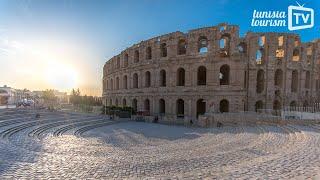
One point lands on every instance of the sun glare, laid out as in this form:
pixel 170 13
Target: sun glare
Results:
pixel 61 76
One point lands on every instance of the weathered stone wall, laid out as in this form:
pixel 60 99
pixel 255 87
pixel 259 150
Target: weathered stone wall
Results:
pixel 238 93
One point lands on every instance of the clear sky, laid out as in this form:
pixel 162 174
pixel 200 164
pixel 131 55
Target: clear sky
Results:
pixel 63 44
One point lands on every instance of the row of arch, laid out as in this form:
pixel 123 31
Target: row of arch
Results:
pixel 260 54
pixel 224 45
pixel 224 76
pixel 180 106
pixel 278 80
pixel 277 105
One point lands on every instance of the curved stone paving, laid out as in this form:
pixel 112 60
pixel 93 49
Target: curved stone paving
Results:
pixel 80 146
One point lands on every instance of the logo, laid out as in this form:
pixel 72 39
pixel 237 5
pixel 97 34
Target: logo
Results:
pixel 297 17
pixel 300 17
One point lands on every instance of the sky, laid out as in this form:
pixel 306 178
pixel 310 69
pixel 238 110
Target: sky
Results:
pixel 63 44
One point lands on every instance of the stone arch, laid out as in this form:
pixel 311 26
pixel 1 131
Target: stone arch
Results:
pixel 294 81
pixel 162 106
pixel 163 78
pixel 163 50
pixel 125 82
pixel 296 55
pixel 242 47
pixel 276 105
pixel 135 80
pixel 202 44
pixel 149 53
pixel 180 108
pixel 117 83
pixel 181 77
pixel 261 41
pixel 259 56
pixel 224 45
pixel 224 74
pixel 118 62
pixel 124 102
pixel 224 106
pixel 278 78
pixel 201 107
pixel 202 75
pixel 182 47
pixel 117 103
pixel 260 81
pixel 111 84
pixel 110 102
pixel 135 105
pixel 136 56
pixel 147 105
pixel 126 60
pixel 147 79
pixel 293 105
pixel 258 105
pixel 307 81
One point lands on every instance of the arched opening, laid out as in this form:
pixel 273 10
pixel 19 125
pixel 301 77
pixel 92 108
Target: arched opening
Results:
pixel 203 45
pixel 293 105
pixel 280 41
pixel 111 84
pixel 242 47
pixel 224 45
pixel 104 85
pixel 147 106
pixel 296 55
pixel 182 47
pixel 147 79
pixel 117 83
pixel 278 76
pixel 260 81
pixel 201 107
pixel 117 103
pixel 258 105
pixel 202 75
pixel 124 102
pixel 163 50
pixel 307 83
pixel 294 81
pixel 163 78
pixel 305 104
pixel 261 41
pixel 224 106
pixel 125 82
pixel 259 59
pixel 162 106
pixel 135 105
pixel 126 60
pixel 110 102
pixel 180 108
pixel 136 56
pixel 180 77
pixel 149 53
pixel 224 75
pixel 108 86
pixel 276 105
pixel 118 62
pixel 135 80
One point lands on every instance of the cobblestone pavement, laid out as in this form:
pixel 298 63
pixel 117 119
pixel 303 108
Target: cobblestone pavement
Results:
pixel 80 146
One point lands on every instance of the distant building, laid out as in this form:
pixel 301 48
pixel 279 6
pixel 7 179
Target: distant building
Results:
pixel 8 95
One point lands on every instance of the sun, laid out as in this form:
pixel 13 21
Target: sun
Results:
pixel 61 76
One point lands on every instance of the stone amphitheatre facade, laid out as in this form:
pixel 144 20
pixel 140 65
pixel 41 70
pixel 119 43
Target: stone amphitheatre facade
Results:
pixel 213 69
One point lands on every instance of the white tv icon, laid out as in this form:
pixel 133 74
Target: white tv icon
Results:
pixel 300 15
